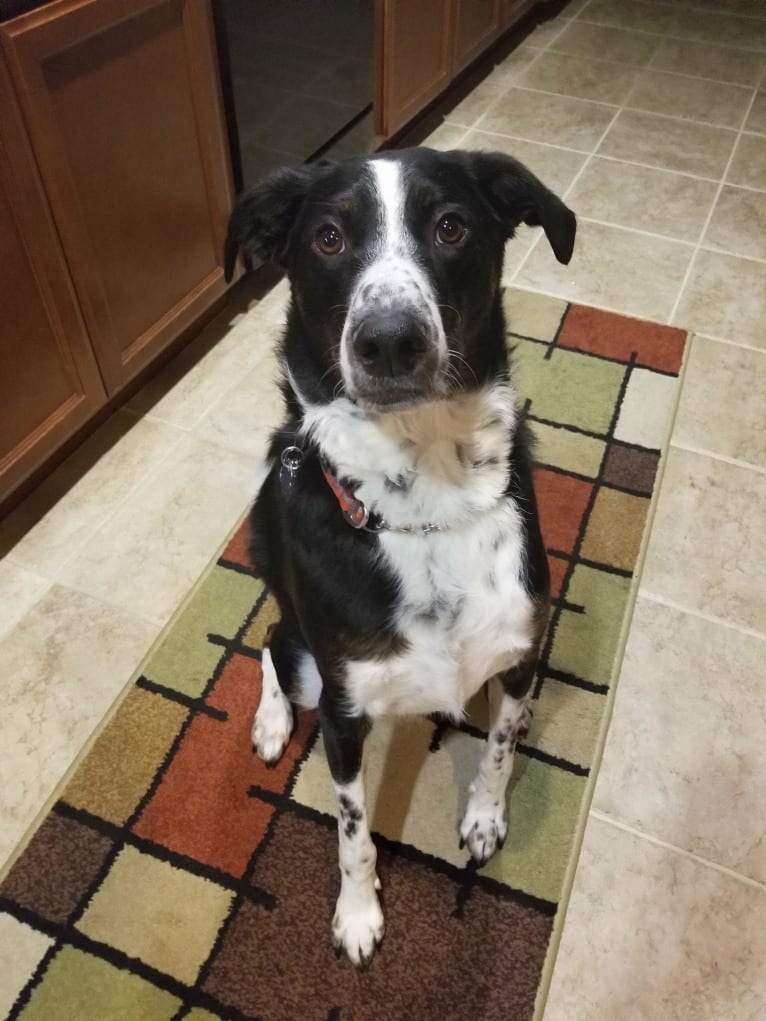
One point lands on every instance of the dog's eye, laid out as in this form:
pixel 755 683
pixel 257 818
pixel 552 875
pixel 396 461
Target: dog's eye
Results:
pixel 329 240
pixel 449 230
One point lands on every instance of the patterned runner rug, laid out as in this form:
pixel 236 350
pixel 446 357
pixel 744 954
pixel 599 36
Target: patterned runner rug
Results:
pixel 178 878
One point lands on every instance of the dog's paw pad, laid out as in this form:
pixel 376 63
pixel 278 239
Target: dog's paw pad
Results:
pixel 272 728
pixel 357 930
pixel 483 829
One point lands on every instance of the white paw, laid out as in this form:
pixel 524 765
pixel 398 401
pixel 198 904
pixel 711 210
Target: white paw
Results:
pixel 272 727
pixel 358 925
pixel 484 826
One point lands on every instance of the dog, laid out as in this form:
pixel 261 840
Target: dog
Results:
pixel 397 526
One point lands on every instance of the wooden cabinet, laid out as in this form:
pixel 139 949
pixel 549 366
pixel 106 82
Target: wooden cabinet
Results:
pixel 476 25
pixel 413 59
pixel 120 102
pixel 49 380
pixel 421 46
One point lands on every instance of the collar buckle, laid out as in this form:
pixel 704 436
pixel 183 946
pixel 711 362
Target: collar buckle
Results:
pixel 355 513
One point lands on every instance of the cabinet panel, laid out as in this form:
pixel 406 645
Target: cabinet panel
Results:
pixel 49 381
pixel 413 58
pixel 122 103
pixel 476 26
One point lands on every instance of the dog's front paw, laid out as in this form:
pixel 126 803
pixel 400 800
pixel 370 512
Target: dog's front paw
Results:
pixel 358 925
pixel 484 827
pixel 272 727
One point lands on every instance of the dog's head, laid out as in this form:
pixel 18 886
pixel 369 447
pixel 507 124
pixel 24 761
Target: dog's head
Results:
pixel 395 262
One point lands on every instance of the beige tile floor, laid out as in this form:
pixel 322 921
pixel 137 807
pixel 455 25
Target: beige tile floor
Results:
pixel 650 118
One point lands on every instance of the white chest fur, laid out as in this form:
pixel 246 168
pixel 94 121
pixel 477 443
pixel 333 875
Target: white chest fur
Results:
pixel 463 611
pixel 462 606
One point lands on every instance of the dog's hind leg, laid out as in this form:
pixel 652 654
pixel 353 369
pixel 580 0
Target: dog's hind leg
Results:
pixel 485 825
pixel 357 925
pixel 273 721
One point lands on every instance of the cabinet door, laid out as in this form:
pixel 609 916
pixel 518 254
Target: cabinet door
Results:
pixel 49 380
pixel 122 103
pixel 413 58
pixel 476 25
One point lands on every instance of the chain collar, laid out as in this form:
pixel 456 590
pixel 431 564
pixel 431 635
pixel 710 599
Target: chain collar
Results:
pixel 360 516
pixel 356 513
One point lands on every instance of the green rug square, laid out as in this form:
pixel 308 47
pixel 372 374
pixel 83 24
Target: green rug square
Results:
pixel 570 451
pixel 586 644
pixel 533 315
pixel 569 387
pixel 543 805
pixel 80 987
pixel 186 659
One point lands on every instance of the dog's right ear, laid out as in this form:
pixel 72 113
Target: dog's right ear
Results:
pixel 264 215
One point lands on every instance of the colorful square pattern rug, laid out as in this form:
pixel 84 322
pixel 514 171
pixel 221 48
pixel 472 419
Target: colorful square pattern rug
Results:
pixel 176 877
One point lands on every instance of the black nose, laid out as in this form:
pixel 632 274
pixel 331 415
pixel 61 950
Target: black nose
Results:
pixel 390 345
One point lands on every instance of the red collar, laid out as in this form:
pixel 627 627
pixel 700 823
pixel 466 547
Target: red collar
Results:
pixel 359 516
pixel 354 511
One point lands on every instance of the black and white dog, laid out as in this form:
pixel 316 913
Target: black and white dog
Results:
pixel 397 525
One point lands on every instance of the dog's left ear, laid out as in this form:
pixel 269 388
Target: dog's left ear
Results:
pixel 516 196
pixel 263 216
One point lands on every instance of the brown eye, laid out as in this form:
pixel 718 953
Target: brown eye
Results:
pixel 329 240
pixel 450 230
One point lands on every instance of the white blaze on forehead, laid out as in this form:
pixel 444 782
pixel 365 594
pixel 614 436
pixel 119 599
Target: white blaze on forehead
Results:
pixel 389 185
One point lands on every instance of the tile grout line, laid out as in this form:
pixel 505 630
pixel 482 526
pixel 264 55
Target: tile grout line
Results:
pixel 650 66
pixel 596 813
pixel 711 211
pixel 669 33
pixel 54 576
pixel 637 109
pixel 690 611
pixel 605 156
pixel 153 621
pixel 730 343
pixel 572 184
pixel 644 233
pixel 511 85
pixel 140 617
pixel 735 461
pixel 668 169
pixel 131 491
pixel 187 433
pixel 512 282
pixel 254 317
pixel 45 586
pixel 669 237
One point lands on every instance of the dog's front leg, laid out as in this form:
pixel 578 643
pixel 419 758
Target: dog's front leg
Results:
pixel 357 926
pixel 485 825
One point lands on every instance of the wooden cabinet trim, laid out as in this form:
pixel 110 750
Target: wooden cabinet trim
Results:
pixel 392 119
pixel 457 55
pixel 37 234
pixel 463 55
pixel 28 41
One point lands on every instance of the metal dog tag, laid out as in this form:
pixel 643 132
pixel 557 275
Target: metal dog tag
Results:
pixel 291 462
